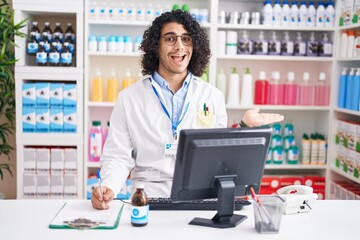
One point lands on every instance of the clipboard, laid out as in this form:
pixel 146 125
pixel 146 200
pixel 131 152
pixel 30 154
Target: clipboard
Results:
pixel 79 214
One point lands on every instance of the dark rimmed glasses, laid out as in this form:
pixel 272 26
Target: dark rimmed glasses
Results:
pixel 171 38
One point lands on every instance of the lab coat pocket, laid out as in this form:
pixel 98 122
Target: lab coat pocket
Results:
pixel 204 116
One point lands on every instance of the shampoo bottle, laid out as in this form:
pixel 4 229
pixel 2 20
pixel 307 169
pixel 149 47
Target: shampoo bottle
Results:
pixel 247 89
pixel 234 88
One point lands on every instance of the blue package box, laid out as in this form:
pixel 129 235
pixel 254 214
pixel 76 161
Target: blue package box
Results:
pixel 42 94
pixel 56 120
pixel 69 95
pixel 28 95
pixel 70 120
pixel 56 95
pixel 29 119
pixel 43 120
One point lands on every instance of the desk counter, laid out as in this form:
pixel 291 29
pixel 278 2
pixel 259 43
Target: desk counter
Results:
pixel 29 219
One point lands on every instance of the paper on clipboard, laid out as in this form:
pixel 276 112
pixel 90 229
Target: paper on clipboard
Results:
pixel 74 210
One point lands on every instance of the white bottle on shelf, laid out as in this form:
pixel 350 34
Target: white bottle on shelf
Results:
pixel 343 43
pixel 131 13
pixel 294 14
pixel 122 12
pixel 350 43
pixel 221 82
pixel 140 12
pixel 285 14
pixel 311 21
pixel 276 14
pixel 113 11
pixel 267 13
pixel 149 13
pixel 93 10
pixel 287 45
pixel 234 88
pixel 303 15
pixel 299 46
pixel 330 15
pixel 320 15
pixel 104 11
pixel 247 94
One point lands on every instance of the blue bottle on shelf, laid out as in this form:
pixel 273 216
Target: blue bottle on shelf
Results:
pixel 349 84
pixel 356 91
pixel 342 88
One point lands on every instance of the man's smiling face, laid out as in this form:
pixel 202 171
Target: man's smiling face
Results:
pixel 174 59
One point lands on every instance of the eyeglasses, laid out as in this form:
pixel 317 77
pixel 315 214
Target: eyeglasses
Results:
pixel 171 38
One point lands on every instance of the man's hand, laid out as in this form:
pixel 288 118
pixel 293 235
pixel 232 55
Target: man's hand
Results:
pixel 101 200
pixel 253 118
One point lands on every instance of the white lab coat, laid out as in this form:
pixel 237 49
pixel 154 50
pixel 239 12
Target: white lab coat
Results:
pixel 139 130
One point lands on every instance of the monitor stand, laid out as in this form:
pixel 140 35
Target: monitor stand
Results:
pixel 225 217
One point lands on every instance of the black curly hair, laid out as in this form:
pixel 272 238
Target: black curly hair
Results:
pixel 150 44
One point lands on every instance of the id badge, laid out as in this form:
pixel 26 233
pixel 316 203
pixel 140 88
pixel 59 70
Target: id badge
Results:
pixel 171 150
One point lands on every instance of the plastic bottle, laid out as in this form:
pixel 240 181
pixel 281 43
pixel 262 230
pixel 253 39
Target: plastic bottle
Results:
pixel 303 15
pixel 112 86
pixel 140 12
pixel 290 90
pixel 325 47
pixel 66 56
pixel 41 55
pixel 102 44
pixel 261 46
pixel 138 40
pixel 278 155
pixel 305 149
pixel 274 45
pixel 350 43
pixel 294 14
pixel 149 13
pixel 322 150
pixel 234 88
pixel 32 45
pixel 276 90
pixel 44 38
pixel 59 32
pixel 158 10
pixel 320 15
pixel 112 44
pixel 343 43
pixel 287 45
pixel 261 89
pixel 276 130
pixel 349 84
pixel 247 94
pixel 311 21
pixel 131 13
pixel 106 133
pixel 322 91
pixel 356 91
pixel 95 142
pixel 48 32
pixel 221 82
pixel 276 13
pixel 139 207
pixel 292 156
pixel 128 44
pixel 267 12
pixel 314 149
pixel 54 55
pixel 92 43
pixel 285 14
pixel 312 46
pixel 342 88
pixel 59 45
pixel 306 91
pixel 113 11
pixel 299 46
pixel 104 11
pixel 70 32
pixel 127 80
pixel 122 12
pixel 70 44
pixel 289 141
pixel 330 15
pixel 244 44
pixel 120 41
pixel 356 52
pixel 35 29
pixel 288 129
pixel 97 87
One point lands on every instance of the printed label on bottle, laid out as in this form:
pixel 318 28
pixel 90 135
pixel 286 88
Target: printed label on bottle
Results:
pixel 66 58
pixel 32 47
pixel 139 214
pixel 54 57
pixel 41 57
pixel 95 145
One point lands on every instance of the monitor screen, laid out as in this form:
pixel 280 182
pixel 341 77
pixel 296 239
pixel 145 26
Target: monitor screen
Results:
pixel 219 163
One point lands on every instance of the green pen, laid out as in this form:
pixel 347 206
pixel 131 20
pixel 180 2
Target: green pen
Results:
pixel 205 109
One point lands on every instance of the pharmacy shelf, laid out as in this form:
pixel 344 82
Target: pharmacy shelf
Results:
pixel 47 73
pixel 344 174
pixel 295 167
pixel 347 111
pixel 101 104
pixel 279 107
pixel 275 28
pixel 275 58
pixel 49 139
pixel 114 54
pixel 347 59
pixel 351 26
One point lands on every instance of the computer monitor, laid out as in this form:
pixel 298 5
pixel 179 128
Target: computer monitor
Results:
pixel 219 163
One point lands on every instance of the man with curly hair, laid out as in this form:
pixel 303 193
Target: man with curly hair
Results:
pixel 149 115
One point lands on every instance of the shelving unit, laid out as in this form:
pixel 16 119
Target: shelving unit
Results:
pixel 27 72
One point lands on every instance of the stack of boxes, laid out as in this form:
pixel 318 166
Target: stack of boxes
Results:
pixel 49 107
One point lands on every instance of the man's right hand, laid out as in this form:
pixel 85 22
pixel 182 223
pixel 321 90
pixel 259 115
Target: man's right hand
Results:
pixel 100 200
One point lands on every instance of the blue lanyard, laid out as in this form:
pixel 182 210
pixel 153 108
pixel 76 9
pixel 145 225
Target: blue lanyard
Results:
pixel 173 125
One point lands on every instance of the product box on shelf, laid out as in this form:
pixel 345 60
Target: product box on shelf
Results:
pixel 28 95
pixel 29 160
pixel 70 185
pixel 43 185
pixel 350 134
pixel 56 185
pixel 28 119
pixel 291 180
pixel 340 132
pixel 29 185
pixel 357 145
pixel 56 95
pixel 70 121
pixel 270 184
pixel 56 120
pixel 42 120
pixel 42 94
pixel 70 95
pixel 346 12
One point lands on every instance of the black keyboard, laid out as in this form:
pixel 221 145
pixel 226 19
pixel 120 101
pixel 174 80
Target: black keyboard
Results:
pixel 198 205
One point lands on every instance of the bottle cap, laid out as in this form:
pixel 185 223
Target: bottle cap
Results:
pixel 322 76
pixel 262 75
pixel 290 76
pixel 275 75
pixel 96 123
pixel 140 185
pixel 306 76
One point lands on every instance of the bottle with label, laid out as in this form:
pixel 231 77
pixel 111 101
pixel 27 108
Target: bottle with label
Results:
pixel 106 133
pixel 70 44
pixel 244 44
pixel 97 87
pixel 276 90
pixel 303 15
pixel 66 56
pixel 292 156
pixel 139 207
pixel 274 45
pixel 149 13
pixel 299 46
pixel 70 32
pixel 290 90
pixel 32 45
pixel 112 86
pixel 127 80
pixel 288 129
pixel 247 89
pixel 312 46
pixel 95 142
pixel 322 91
pixel 35 29
pixel 276 13
pixel 54 55
pixel 102 44
pixel 47 30
pixel 261 89
pixel 93 10
pixel 234 88
pixel 342 88
pixel 41 55
pixel 314 149
pixel 267 12
pixel 311 21
pixel 306 91
pixel 59 32
pixel 287 45
pixel 92 43
pixel 140 12
pixel 330 15
pixel 44 38
pixel 305 149
pixel 349 85
pixel 350 43
pixel 278 155
pixel 356 91
pixel 59 45
pixel 320 15
pixel 104 11
pixel 343 43
pixel 261 45
pixel 285 14
pixel 221 82
pixel 294 14
pixel 122 12
pixel 325 47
